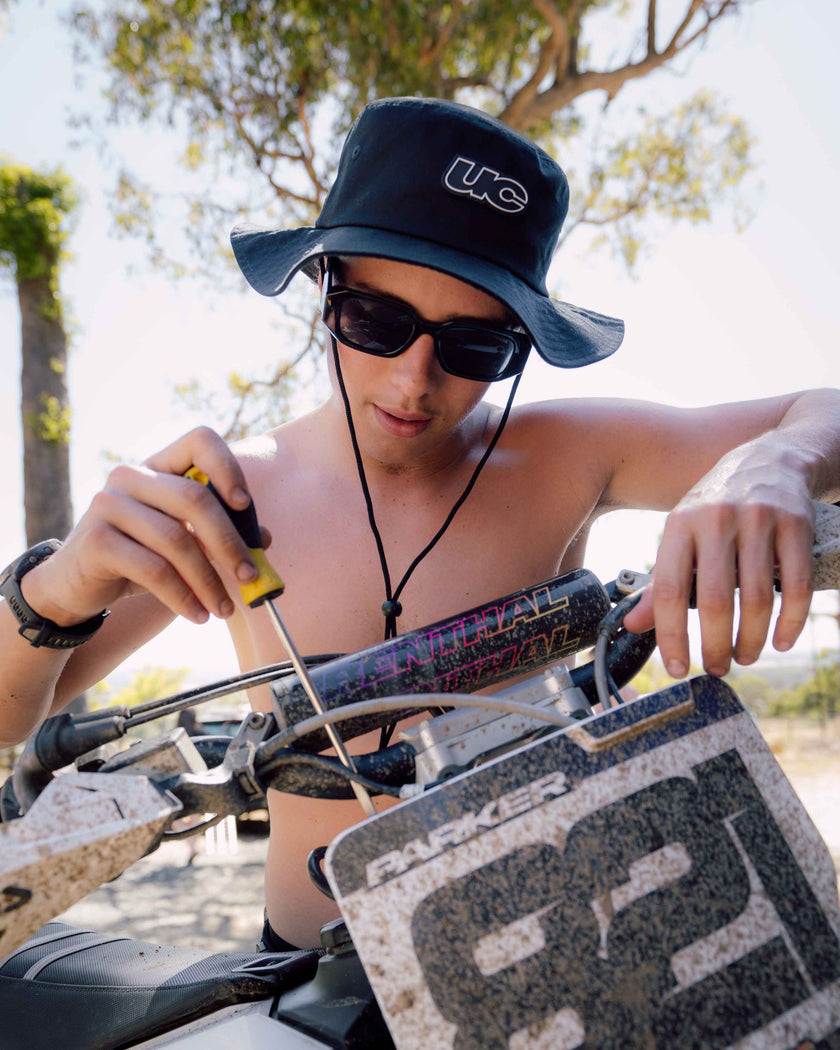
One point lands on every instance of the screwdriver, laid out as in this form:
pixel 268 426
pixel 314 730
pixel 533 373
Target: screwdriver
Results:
pixel 262 591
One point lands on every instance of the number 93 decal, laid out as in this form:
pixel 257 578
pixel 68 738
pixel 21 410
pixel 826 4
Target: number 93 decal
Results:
pixel 613 966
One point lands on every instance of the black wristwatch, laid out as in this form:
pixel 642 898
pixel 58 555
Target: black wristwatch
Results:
pixel 34 628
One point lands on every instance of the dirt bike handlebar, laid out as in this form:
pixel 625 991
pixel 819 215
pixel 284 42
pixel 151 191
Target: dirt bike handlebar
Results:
pixel 395 765
pixel 512 636
pixel 509 637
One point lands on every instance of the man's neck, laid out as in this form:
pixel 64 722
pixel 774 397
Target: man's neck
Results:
pixel 462 448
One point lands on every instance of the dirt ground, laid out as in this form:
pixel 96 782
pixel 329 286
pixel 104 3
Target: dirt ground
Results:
pixel 216 902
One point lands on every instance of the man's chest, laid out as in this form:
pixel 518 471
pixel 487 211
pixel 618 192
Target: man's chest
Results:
pixel 335 579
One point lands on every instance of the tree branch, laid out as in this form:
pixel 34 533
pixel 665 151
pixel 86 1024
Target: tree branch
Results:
pixel 651 27
pixel 236 428
pixel 429 56
pixel 692 10
pixel 562 93
pixel 308 151
pixel 556 43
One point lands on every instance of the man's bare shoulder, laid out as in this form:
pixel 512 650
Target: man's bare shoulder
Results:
pixel 585 431
pixel 280 448
pixel 588 416
pixel 556 448
pixel 645 454
pixel 600 449
pixel 570 411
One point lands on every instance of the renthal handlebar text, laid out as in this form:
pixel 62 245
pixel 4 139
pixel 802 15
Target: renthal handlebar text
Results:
pixel 511 636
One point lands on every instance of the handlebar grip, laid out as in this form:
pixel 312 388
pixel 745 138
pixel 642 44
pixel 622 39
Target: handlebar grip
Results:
pixel 56 743
pixel 268 584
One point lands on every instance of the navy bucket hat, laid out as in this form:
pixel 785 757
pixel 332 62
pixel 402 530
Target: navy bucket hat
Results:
pixel 443 185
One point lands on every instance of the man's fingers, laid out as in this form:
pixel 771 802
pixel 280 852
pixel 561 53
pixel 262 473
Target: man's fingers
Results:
pixel 672 579
pixel 755 588
pixel 730 546
pixel 716 604
pixel 184 500
pixel 640 617
pixel 794 539
pixel 156 575
pixel 203 448
pixel 165 557
pixel 152 529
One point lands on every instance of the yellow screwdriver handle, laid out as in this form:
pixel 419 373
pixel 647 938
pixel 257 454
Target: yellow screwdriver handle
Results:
pixel 268 584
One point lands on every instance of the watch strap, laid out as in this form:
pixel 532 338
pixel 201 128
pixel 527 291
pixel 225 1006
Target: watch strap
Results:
pixel 36 629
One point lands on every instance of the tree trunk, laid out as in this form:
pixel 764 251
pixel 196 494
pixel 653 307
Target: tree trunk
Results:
pixel 44 413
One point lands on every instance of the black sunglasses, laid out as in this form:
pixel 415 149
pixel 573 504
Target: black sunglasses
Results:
pixel 386 328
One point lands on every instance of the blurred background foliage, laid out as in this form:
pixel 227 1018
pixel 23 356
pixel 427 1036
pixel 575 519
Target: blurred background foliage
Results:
pixel 260 94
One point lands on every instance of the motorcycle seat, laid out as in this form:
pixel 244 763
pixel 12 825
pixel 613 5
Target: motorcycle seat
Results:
pixel 83 990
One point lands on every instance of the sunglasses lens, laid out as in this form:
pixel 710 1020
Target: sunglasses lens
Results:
pixel 373 325
pixel 476 353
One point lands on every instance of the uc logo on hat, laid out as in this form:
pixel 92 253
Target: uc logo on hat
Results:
pixel 466 177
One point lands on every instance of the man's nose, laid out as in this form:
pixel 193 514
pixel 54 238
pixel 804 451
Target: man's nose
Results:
pixel 416 369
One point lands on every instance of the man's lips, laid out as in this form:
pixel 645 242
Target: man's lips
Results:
pixel 401 425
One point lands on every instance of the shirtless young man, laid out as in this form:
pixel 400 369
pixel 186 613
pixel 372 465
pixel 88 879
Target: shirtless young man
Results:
pixel 452 217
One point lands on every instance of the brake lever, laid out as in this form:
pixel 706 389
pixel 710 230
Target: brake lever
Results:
pixel 231 788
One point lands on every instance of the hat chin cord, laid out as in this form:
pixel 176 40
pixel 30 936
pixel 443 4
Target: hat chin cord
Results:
pixel 391 607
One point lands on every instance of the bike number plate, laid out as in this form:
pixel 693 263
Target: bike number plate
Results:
pixel 647 879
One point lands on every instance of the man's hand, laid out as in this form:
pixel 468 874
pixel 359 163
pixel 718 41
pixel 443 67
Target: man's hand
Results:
pixel 152 530
pixel 749 518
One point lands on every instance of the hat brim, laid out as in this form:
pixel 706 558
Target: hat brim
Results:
pixel 564 335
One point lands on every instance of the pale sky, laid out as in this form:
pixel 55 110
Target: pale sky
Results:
pixel 713 316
